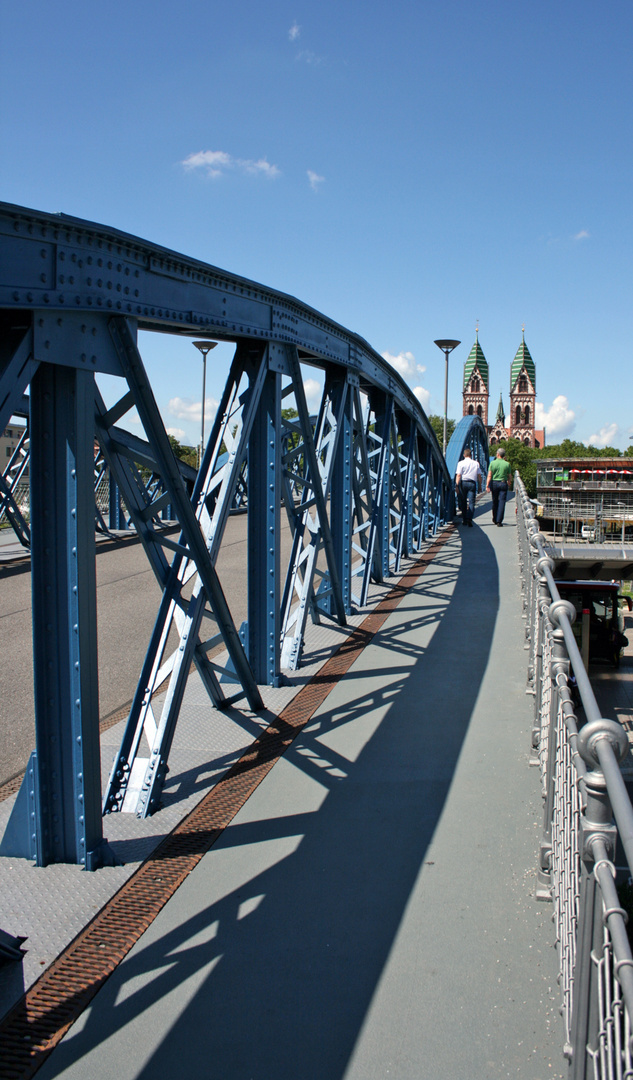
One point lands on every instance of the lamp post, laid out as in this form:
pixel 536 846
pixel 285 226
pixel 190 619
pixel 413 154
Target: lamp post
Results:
pixel 204 347
pixel 446 345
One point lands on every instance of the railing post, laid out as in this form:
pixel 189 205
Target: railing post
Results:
pixel 559 665
pixel 596 828
pixel 535 668
pixel 529 602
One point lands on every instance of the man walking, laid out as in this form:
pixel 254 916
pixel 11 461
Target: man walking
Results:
pixel 467 481
pixel 499 476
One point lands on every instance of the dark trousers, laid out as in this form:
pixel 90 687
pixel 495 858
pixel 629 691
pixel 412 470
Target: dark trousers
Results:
pixel 499 489
pixel 467 490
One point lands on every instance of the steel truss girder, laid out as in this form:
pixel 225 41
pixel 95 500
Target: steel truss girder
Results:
pixel 64 260
pixel 309 521
pixel 136 782
pixel 19 465
pixel 60 295
pixel 379 461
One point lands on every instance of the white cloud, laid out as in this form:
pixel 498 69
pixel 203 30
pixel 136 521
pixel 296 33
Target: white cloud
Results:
pixel 262 166
pixel 186 409
pixel 582 235
pixel 315 180
pixel 423 396
pixel 217 163
pixel 559 420
pixel 294 32
pixel 308 57
pixel 313 392
pixel 607 436
pixel 405 364
pixel 177 433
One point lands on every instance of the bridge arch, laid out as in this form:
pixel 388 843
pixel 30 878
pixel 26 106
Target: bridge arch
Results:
pixel 469 432
pixel 361 486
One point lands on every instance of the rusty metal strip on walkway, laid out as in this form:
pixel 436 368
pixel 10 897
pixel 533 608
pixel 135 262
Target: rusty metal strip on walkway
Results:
pixel 34 1026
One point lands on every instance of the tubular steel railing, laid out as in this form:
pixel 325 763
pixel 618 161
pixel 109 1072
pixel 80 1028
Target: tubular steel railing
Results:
pixel 586 806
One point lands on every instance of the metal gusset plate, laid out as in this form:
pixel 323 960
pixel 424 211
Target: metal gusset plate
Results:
pixel 136 780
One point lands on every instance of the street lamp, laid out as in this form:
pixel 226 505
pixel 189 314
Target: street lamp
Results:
pixel 204 347
pixel 447 346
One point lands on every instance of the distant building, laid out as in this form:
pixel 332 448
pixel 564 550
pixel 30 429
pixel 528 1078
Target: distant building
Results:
pixel 476 394
pixel 9 442
pixel 587 498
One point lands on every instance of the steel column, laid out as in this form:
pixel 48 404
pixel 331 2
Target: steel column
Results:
pixel 68 774
pixel 264 502
pixel 341 503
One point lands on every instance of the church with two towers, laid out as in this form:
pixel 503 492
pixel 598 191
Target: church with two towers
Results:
pixel 476 393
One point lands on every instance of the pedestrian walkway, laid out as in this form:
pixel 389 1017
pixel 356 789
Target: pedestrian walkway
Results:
pixel 370 911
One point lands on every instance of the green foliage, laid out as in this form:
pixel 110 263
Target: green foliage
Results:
pixel 524 458
pixel 437 423
pixel 188 454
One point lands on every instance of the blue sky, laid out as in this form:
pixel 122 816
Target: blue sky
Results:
pixel 408 169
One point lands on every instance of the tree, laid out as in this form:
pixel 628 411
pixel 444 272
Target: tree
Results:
pixel 524 458
pixel 188 454
pixel 437 423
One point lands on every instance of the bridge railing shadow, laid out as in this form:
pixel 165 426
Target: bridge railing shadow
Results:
pixel 275 972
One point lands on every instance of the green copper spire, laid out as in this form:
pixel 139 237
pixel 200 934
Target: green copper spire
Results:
pixel 501 416
pixel 522 357
pixel 477 359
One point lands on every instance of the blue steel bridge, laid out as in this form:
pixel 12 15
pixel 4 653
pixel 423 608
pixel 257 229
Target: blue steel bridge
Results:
pixel 361 596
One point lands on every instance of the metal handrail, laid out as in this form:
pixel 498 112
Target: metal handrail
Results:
pixel 584 791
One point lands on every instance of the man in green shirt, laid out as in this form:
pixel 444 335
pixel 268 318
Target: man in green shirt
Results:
pixel 499 476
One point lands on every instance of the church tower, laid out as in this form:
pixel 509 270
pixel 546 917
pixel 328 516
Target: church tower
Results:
pixel 476 382
pixel 522 396
pixel 498 433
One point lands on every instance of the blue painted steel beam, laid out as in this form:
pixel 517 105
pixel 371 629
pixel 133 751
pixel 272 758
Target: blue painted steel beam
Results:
pixel 309 520
pixel 66 261
pixel 469 432
pixel 264 505
pixel 380 519
pixel 135 783
pixel 341 499
pixel 68 774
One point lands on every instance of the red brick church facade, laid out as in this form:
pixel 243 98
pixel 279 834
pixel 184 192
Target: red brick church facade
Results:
pixel 476 393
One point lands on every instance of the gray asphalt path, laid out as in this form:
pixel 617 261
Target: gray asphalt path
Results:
pixel 128 597
pixel 369 913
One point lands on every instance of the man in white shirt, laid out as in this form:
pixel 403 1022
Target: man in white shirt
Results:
pixel 468 479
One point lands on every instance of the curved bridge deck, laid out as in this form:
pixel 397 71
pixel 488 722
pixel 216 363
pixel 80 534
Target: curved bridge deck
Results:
pixel 369 912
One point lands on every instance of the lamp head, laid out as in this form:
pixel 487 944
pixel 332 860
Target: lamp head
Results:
pixel 205 346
